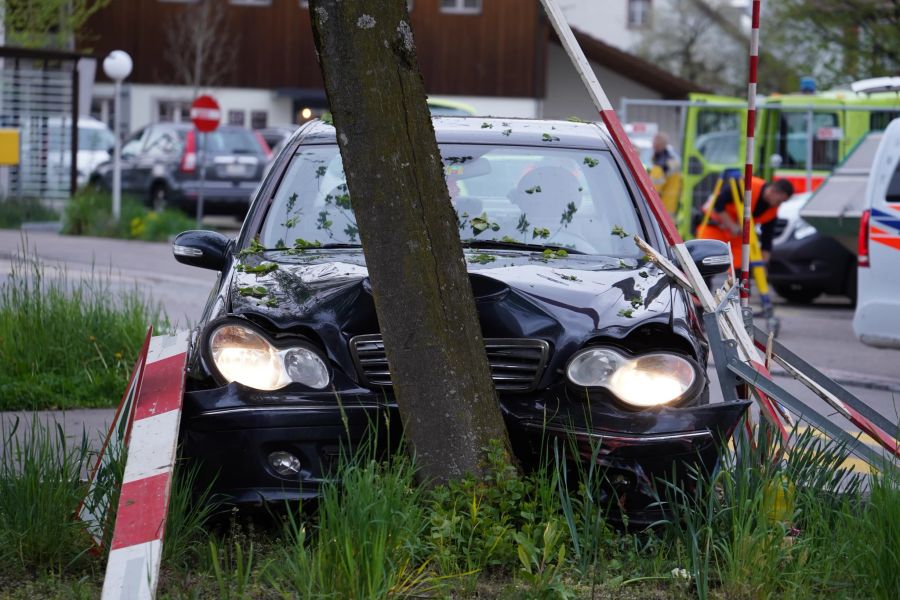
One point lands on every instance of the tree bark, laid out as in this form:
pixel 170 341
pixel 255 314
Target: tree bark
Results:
pixel 423 297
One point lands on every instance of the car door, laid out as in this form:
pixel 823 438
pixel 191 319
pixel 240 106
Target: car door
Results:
pixel 878 296
pixel 161 148
pixel 131 151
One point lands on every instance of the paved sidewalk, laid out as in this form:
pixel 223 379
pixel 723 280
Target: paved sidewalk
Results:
pixel 182 290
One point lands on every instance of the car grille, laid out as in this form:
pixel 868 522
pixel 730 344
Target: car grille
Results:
pixel 516 364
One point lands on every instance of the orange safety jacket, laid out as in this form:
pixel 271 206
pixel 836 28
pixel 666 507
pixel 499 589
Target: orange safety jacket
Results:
pixel 713 231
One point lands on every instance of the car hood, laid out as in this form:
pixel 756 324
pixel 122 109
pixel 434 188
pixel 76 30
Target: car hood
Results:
pixel 565 301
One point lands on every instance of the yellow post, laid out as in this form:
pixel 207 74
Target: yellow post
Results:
pixel 9 147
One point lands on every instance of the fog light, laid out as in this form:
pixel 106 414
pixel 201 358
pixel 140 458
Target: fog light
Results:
pixel 284 463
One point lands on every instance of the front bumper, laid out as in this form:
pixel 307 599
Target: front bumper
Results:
pixel 231 431
pixel 816 263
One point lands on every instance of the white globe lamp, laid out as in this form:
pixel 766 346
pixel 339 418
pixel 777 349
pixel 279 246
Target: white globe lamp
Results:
pixel 117 67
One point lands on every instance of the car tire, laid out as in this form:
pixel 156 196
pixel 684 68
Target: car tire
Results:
pixel 801 296
pixel 159 197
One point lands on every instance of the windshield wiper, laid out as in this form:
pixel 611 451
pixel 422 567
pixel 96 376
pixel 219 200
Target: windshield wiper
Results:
pixel 518 246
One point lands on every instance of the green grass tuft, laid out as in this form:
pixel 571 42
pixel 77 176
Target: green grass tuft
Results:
pixel 67 342
pixel 15 211
pixel 90 213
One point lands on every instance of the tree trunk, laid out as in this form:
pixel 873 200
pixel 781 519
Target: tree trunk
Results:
pixel 423 297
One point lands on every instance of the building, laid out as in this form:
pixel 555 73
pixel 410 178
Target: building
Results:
pixel 499 56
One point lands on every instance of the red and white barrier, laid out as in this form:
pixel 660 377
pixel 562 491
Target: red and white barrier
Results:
pixel 133 569
pixel 748 161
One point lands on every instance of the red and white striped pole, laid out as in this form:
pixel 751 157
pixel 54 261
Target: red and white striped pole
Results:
pixel 609 118
pixel 748 162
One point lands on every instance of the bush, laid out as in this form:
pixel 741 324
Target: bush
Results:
pixel 90 213
pixel 67 343
pixel 15 211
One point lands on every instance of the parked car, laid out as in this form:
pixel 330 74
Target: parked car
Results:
pixel 275 135
pixel 805 263
pixel 95 141
pixel 160 163
pixel 584 336
pixel 876 322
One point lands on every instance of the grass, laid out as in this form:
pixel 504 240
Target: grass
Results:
pixel 89 212
pixel 758 527
pixel 67 342
pixel 15 211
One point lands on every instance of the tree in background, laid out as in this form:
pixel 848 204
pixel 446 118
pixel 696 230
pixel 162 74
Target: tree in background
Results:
pixel 47 23
pixel 395 174
pixel 693 40
pixel 835 41
pixel 199 45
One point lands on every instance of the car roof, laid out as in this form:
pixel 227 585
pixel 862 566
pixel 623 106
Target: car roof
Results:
pixel 493 130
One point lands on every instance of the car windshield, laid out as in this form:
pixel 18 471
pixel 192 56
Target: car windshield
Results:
pixel 95 138
pixel 567 198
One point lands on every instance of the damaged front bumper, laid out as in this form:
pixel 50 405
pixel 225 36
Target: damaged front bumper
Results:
pixel 231 432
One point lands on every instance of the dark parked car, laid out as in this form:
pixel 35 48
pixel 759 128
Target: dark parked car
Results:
pixel 805 263
pixel 160 164
pixel 584 336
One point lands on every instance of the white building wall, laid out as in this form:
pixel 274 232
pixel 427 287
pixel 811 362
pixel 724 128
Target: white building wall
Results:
pixel 496 106
pixel 605 20
pixel 567 96
pixel 143 102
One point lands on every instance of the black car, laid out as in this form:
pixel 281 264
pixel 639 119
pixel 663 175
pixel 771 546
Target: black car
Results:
pixel 584 336
pixel 161 163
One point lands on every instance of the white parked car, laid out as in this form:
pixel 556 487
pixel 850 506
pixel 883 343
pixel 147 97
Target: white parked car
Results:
pixel 95 140
pixel 877 318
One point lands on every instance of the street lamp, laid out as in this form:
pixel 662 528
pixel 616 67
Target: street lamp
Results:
pixel 117 67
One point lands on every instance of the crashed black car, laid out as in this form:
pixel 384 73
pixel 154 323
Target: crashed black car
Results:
pixel 584 336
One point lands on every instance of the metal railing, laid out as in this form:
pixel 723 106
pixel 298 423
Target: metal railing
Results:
pixel 39 97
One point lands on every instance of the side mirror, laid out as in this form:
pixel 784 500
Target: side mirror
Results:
pixel 712 257
pixel 204 249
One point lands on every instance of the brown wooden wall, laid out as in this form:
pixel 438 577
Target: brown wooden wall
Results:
pixel 498 53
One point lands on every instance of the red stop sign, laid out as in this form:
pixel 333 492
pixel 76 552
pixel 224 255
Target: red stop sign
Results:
pixel 205 114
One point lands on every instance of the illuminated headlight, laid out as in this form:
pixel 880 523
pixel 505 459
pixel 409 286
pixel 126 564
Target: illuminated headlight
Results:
pixel 643 381
pixel 243 355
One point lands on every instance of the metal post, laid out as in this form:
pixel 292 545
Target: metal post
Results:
pixel 810 136
pixel 117 153
pixel 73 171
pixel 202 159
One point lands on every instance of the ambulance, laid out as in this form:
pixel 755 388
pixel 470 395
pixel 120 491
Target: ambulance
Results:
pixel 877 318
pixel 714 137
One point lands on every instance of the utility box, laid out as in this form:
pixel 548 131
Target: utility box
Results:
pixel 9 147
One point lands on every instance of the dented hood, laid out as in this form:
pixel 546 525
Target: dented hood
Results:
pixel 566 301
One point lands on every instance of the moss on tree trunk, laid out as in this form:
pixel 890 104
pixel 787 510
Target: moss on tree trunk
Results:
pixel 410 238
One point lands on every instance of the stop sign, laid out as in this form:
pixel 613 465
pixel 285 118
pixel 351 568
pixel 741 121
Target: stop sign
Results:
pixel 205 114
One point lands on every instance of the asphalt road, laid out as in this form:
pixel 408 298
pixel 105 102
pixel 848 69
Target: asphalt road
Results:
pixel 821 333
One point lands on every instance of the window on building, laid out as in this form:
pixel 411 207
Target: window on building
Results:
pixel 236 117
pixel 461 7
pixel 259 119
pixel 173 111
pixel 250 2
pixel 639 13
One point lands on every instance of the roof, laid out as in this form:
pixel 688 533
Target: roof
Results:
pixel 491 130
pixel 632 66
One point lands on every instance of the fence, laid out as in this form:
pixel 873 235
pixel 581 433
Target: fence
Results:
pixel 39 98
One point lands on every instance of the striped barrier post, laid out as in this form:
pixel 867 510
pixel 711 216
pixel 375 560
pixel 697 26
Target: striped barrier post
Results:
pixel 132 571
pixel 748 161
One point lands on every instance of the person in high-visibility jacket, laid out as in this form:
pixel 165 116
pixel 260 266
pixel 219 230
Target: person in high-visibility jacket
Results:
pixel 665 172
pixel 725 223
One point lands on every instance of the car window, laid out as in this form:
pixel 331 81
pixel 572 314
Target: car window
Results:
pixel 793 139
pixel 718 136
pixel 232 141
pixel 133 145
pixel 564 197
pixel 893 190
pixel 163 142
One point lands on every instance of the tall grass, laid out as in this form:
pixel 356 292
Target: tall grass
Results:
pixel 67 342
pixel 368 541
pixel 40 489
pixel 15 211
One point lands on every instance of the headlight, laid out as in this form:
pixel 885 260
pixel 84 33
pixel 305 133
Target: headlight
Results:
pixel 643 381
pixel 241 354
